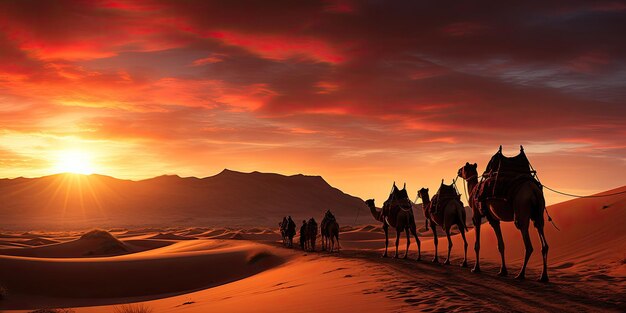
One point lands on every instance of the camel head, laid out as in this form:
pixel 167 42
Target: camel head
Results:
pixel 468 171
pixel 423 194
pixel 370 203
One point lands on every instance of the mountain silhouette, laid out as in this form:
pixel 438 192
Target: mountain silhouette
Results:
pixel 226 198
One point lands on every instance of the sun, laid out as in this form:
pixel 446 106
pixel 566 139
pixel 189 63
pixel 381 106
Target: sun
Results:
pixel 74 161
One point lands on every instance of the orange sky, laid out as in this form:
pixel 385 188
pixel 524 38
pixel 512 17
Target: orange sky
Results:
pixel 360 94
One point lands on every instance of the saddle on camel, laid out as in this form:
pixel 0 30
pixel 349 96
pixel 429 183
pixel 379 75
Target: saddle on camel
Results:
pixel 503 176
pixel 445 194
pixel 397 197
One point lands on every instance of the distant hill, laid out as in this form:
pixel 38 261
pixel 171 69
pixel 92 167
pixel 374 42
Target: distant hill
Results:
pixel 71 200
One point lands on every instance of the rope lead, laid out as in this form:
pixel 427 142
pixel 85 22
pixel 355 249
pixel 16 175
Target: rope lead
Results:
pixel 579 196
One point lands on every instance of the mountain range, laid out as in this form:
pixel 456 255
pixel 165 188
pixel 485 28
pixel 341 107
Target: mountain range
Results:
pixel 96 200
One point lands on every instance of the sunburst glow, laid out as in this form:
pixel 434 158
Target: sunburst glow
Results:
pixel 74 161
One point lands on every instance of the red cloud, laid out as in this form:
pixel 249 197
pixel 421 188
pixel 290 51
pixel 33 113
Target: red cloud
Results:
pixel 213 58
pixel 348 83
pixel 277 47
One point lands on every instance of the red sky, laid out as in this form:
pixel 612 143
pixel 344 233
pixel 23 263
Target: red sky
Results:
pixel 361 93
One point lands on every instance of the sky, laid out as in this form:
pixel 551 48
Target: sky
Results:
pixel 362 93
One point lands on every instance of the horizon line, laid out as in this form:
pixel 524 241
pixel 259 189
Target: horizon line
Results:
pixel 157 176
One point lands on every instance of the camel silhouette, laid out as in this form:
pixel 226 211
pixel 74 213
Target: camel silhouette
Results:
pixel 450 212
pixel 523 201
pixel 397 212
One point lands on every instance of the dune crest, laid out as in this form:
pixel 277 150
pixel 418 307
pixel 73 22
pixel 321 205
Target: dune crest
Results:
pixel 95 243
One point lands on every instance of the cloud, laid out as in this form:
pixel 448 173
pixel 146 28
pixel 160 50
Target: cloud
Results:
pixel 335 86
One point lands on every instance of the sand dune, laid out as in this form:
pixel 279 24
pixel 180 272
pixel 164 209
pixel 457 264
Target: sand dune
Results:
pixel 171 236
pixel 193 231
pixel 92 244
pixel 216 273
pixel 212 233
pixel 184 266
pixel 38 241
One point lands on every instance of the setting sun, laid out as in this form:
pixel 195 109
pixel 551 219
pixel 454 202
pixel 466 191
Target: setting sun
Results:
pixel 77 162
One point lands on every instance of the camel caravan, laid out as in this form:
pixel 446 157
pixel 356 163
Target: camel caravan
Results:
pixel 329 231
pixel 507 191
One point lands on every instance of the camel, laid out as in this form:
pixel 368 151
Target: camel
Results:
pixel 524 203
pixel 283 230
pixel 311 233
pixel 450 212
pixel 290 231
pixel 304 229
pixel 397 212
pixel 323 231
pixel 330 231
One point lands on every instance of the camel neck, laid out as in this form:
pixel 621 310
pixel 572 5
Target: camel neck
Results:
pixel 471 183
pixel 375 212
pixel 426 199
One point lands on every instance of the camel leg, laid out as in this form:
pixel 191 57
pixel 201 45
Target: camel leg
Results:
pixel 477 220
pixel 338 246
pixel 408 243
pixel 544 253
pixel 528 247
pixel 436 241
pixel 398 234
pixel 462 228
pixel 325 243
pixel 331 243
pixel 447 262
pixel 386 229
pixel 335 238
pixel 417 241
pixel 496 228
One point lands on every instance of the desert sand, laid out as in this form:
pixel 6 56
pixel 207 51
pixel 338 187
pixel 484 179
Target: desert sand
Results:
pixel 247 269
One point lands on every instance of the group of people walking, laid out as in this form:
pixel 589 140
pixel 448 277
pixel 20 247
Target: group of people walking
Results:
pixel 328 229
